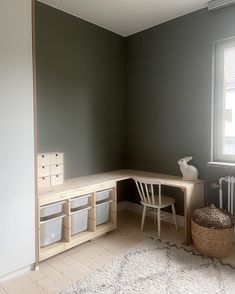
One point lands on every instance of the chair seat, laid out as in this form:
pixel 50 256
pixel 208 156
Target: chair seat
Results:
pixel 147 189
pixel 166 201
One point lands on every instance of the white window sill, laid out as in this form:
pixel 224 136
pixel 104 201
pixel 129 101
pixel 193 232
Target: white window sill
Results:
pixel 220 164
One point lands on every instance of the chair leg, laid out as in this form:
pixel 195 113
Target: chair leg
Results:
pixel 155 216
pixel 159 222
pixel 143 217
pixel 174 215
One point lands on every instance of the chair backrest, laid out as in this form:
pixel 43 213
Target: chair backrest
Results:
pixel 146 189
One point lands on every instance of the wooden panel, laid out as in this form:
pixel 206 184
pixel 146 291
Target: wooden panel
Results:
pixel 194 198
pixel 52 249
pixel 49 200
pixel 92 214
pixel 66 222
pixel 113 206
pixel 73 193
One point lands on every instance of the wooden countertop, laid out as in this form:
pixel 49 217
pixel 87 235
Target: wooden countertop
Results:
pixel 71 185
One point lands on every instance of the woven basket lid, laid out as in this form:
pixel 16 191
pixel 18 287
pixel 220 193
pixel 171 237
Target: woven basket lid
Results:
pixel 212 217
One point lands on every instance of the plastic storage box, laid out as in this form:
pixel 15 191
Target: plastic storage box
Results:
pixel 79 220
pixel 103 195
pixel 102 212
pixel 79 201
pixel 51 209
pixel 51 230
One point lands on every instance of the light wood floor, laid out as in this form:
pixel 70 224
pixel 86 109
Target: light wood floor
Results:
pixel 60 271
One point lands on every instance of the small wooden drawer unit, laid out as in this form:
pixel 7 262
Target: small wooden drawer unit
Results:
pixel 50 169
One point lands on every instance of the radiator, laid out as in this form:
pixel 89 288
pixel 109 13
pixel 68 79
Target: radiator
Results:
pixel 229 181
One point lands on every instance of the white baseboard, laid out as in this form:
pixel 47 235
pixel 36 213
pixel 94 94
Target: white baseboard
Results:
pixel 16 273
pixel 126 205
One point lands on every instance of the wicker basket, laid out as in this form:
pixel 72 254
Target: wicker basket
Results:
pixel 212 231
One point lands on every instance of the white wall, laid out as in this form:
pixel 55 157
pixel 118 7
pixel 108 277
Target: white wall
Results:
pixel 17 205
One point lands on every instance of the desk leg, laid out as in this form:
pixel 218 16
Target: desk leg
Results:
pixel 186 218
pixel 193 198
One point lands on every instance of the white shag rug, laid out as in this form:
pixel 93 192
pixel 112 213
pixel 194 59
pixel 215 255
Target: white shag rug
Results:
pixel 153 267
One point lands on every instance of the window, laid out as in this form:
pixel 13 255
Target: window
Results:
pixel 224 102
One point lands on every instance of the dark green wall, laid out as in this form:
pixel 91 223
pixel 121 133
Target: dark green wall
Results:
pixel 80 92
pixel 169 89
pixel 148 116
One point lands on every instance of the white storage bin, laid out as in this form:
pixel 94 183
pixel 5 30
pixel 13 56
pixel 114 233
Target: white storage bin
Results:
pixel 44 159
pixel 57 158
pixel 79 201
pixel 51 230
pixel 57 180
pixel 51 209
pixel 102 212
pixel 79 220
pixel 57 169
pixel 103 195
pixel 44 171
pixel 44 182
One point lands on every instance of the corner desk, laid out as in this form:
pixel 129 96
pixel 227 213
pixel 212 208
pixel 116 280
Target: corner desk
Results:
pixel 193 198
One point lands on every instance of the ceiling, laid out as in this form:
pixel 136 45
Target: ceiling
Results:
pixel 126 17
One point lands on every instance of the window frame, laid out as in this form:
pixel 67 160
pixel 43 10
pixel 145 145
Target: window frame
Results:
pixel 218 103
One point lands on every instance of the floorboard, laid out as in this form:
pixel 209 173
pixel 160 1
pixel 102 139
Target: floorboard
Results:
pixel 64 269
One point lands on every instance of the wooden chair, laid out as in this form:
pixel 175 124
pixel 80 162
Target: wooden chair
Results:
pixel 154 201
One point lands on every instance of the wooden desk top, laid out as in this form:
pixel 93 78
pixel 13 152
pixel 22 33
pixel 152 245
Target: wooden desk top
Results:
pixel 113 176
